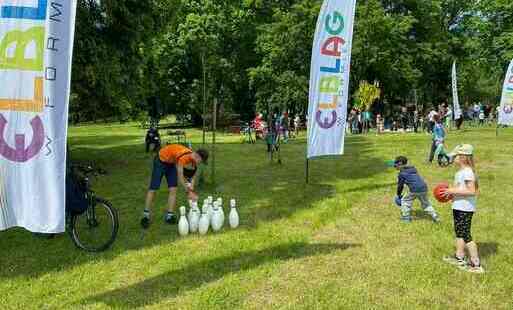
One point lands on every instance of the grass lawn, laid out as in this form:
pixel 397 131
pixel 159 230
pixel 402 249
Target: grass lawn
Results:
pixel 336 243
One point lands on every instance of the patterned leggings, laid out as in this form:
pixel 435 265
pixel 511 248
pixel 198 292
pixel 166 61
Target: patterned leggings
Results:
pixel 463 224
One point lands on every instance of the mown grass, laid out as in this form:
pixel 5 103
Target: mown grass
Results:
pixel 336 243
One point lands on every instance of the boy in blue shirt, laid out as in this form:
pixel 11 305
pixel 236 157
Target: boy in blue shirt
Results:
pixel 408 175
pixel 438 139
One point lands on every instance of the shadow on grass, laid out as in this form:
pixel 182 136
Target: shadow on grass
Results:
pixel 487 249
pixel 170 284
pixel 370 187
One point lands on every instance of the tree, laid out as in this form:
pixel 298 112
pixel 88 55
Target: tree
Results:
pixel 367 94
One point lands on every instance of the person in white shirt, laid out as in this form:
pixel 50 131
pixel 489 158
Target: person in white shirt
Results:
pixel 481 118
pixel 448 117
pixel 297 123
pixel 463 195
pixel 431 120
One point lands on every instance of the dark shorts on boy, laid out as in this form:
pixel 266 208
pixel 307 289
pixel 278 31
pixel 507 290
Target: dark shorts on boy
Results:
pixel 161 169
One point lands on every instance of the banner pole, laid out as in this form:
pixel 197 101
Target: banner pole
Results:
pixel 307 170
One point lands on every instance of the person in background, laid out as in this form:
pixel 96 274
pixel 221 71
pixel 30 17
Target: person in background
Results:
pixel 284 124
pixel 380 124
pixel 258 126
pixel 416 121
pixel 438 137
pixel 477 109
pixel 431 120
pixel 354 121
pixel 297 124
pixel 448 117
pixel 404 118
pixel 367 121
pixel 360 121
pixel 481 117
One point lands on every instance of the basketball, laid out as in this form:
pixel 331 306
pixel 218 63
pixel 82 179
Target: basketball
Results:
pixel 439 189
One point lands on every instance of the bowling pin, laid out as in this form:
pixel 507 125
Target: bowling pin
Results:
pixel 233 218
pixel 203 222
pixel 183 225
pixel 216 222
pixel 220 204
pixel 210 210
pixel 194 221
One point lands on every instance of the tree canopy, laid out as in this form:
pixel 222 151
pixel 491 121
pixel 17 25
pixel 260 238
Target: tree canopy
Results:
pixel 256 53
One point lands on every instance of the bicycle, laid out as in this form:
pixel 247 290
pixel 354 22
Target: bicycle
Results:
pixel 93 228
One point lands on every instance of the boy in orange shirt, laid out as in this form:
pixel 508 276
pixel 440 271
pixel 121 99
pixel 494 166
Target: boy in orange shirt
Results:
pixel 179 164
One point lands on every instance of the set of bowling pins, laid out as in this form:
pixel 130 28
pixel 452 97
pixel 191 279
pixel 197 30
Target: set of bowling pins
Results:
pixel 211 216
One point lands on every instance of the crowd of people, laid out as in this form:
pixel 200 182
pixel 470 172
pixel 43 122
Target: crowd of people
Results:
pixel 416 120
pixel 276 126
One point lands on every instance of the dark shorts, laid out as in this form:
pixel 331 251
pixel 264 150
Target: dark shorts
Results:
pixel 463 224
pixel 160 170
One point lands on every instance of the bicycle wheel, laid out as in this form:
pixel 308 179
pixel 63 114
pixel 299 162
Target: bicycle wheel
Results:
pixel 96 229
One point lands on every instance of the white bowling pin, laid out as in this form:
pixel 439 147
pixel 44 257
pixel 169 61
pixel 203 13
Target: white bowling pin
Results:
pixel 210 210
pixel 204 222
pixel 183 225
pixel 216 222
pixel 233 218
pixel 221 211
pixel 194 221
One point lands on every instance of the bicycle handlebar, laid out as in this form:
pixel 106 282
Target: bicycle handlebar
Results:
pixel 87 170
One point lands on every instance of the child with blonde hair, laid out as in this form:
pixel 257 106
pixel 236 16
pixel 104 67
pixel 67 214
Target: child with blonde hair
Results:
pixel 464 194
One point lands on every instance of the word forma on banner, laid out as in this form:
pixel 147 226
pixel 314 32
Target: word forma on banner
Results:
pixel 36 44
pixel 506 107
pixel 329 78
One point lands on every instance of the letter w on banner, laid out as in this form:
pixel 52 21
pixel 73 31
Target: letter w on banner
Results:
pixel 36 44
pixel 329 78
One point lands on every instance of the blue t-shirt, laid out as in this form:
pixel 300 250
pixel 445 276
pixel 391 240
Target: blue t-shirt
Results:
pixel 438 133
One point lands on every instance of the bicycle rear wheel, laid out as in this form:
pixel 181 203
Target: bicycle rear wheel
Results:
pixel 96 229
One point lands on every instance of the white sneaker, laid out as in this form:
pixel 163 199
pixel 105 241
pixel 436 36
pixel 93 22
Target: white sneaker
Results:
pixel 473 268
pixel 454 260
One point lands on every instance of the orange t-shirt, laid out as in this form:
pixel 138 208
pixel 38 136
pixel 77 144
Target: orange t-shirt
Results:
pixel 170 153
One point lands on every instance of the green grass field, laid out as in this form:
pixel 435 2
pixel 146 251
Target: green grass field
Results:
pixel 336 243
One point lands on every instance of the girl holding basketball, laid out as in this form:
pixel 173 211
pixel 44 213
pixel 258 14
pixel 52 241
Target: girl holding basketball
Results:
pixel 463 195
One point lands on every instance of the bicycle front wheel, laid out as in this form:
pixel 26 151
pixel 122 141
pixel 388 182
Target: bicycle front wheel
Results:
pixel 96 229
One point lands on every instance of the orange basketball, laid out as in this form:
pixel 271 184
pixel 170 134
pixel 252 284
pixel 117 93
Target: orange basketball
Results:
pixel 439 189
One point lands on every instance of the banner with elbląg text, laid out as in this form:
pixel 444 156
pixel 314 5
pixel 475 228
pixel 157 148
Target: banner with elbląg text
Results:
pixel 329 78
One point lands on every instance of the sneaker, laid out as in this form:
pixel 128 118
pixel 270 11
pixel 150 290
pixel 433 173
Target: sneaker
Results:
pixel 473 268
pixel 406 219
pixel 145 222
pixel 170 218
pixel 435 218
pixel 455 260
